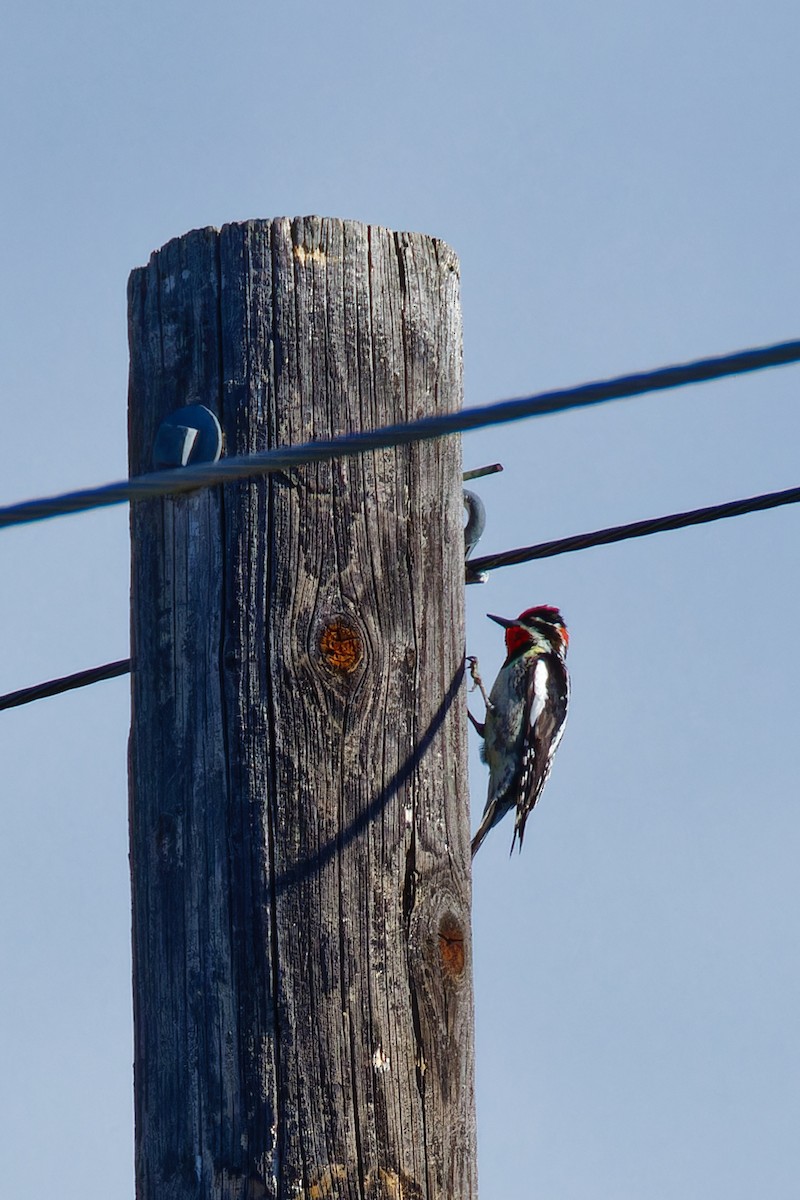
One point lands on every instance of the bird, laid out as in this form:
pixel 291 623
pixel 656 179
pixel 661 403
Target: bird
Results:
pixel 525 714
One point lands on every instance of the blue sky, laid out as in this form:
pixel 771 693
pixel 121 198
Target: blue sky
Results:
pixel 620 182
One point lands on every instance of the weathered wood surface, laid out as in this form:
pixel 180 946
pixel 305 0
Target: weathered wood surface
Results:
pixel 299 819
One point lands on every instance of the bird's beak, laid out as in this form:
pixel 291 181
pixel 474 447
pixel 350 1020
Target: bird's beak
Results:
pixel 504 621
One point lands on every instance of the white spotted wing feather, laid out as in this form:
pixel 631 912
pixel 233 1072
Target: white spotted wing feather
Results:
pixel 524 724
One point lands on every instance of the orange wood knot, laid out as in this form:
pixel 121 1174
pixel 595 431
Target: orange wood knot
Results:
pixel 451 946
pixel 392 1185
pixel 340 643
pixel 380 1184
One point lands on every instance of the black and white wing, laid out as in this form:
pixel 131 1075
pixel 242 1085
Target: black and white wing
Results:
pixel 547 702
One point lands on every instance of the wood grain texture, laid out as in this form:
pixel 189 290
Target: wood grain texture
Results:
pixel 299 818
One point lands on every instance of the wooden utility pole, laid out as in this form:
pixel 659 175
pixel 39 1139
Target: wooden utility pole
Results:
pixel 299 820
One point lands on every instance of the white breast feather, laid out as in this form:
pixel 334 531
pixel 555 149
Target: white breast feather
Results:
pixel 540 680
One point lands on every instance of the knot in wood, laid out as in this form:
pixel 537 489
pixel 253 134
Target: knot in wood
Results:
pixel 384 1184
pixel 451 946
pixel 341 646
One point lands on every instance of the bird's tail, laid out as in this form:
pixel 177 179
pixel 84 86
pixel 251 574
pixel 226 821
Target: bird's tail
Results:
pixel 489 818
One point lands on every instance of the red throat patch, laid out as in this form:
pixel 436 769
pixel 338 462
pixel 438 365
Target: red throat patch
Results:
pixel 516 637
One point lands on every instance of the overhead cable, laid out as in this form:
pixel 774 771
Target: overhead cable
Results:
pixel 186 479
pixel 54 687
pixel 475 568
pixel 621 533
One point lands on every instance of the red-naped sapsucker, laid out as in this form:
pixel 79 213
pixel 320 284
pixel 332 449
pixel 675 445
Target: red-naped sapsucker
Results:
pixel 525 714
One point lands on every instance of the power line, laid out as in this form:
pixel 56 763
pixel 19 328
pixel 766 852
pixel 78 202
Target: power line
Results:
pixel 54 687
pixel 475 567
pixel 621 533
pixel 186 479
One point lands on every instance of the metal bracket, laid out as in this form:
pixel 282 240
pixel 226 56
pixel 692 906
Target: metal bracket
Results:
pixel 476 521
pixel 191 434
